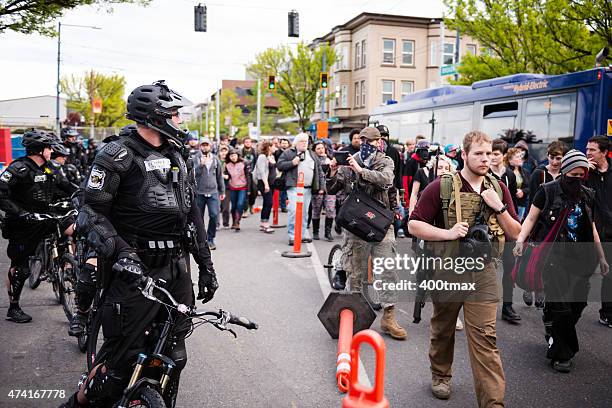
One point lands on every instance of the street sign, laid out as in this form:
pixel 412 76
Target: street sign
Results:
pixel 322 129
pixel 334 119
pixel 253 132
pixel 446 70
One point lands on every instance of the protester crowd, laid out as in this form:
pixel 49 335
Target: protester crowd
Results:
pixel 522 203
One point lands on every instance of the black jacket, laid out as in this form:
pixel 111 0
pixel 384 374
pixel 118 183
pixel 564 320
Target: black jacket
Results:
pixel 602 184
pixel 539 176
pixel 509 179
pixel 522 202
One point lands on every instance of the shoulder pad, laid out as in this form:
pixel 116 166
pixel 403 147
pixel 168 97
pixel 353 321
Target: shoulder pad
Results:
pixel 18 168
pixel 115 155
pixel 446 186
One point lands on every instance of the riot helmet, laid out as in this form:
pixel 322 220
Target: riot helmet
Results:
pixel 154 105
pixel 69 132
pixel 35 141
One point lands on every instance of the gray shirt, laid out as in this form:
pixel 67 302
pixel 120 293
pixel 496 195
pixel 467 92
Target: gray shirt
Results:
pixel 209 180
pixel 307 167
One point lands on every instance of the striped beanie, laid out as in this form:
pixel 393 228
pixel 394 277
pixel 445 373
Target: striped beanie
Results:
pixel 573 159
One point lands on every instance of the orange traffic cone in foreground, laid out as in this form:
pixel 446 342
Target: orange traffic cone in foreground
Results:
pixel 343 364
pixel 358 395
pixel 297 240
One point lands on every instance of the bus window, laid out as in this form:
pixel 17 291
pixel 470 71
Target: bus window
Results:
pixel 551 118
pixel 456 123
pixel 498 117
pixel 415 123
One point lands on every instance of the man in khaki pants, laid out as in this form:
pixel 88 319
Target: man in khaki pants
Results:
pixel 474 198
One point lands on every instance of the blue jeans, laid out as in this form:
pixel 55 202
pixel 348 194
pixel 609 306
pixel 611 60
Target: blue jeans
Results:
pixel 292 195
pixel 238 198
pixel 283 199
pixel 213 205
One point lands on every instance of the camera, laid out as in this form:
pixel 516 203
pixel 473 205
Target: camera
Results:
pixel 478 242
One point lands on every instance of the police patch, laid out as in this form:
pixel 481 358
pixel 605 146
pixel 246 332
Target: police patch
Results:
pixel 6 176
pixel 40 178
pixel 96 179
pixel 157 164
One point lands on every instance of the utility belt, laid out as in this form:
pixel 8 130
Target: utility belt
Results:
pixel 158 253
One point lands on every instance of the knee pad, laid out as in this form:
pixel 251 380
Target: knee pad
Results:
pixel 179 355
pixel 16 281
pixel 103 389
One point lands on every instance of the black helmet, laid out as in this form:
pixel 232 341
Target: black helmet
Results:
pixel 35 141
pixel 153 107
pixel 68 132
pixel 384 131
pixel 59 149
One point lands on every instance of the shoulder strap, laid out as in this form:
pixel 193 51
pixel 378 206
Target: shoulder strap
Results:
pixel 457 188
pixel 493 180
pixel 446 190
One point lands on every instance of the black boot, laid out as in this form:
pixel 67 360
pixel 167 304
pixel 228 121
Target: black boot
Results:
pixel 15 314
pixel 339 280
pixel 315 228
pixel 509 314
pixel 77 324
pixel 329 222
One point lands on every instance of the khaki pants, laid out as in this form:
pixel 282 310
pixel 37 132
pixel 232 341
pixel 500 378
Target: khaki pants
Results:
pixel 480 317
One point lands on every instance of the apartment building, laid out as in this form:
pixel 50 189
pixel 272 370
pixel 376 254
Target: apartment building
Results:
pixel 382 58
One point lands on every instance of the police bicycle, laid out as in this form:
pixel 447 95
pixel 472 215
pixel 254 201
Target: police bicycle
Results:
pixel 334 266
pixel 148 385
pixel 54 260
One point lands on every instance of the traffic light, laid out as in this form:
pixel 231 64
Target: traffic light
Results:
pixel 271 83
pixel 200 18
pixel 294 24
pixel 324 80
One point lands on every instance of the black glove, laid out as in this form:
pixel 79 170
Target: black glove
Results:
pixel 129 268
pixel 207 286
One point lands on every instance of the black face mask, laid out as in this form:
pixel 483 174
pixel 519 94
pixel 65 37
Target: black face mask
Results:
pixel 572 186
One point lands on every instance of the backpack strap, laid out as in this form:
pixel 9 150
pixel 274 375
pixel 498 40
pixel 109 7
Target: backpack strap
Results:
pixel 457 188
pixel 446 190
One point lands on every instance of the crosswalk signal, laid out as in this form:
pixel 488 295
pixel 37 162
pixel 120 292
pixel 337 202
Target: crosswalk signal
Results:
pixel 271 83
pixel 294 24
pixel 200 18
pixel 324 80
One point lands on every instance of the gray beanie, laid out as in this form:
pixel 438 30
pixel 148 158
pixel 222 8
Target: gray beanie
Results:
pixel 573 159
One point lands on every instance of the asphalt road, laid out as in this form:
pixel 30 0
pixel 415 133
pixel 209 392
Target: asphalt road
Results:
pixel 290 360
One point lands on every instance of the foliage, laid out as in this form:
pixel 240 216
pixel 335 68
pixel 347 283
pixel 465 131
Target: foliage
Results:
pixel 540 36
pixel 26 16
pixel 297 76
pixel 81 90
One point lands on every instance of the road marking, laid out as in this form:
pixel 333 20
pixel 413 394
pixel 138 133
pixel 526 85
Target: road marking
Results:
pixel 326 289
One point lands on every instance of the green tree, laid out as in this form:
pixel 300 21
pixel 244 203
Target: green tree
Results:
pixel 297 76
pixel 81 90
pixel 26 16
pixel 541 36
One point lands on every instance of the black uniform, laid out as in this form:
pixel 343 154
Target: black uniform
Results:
pixel 138 202
pixel 77 157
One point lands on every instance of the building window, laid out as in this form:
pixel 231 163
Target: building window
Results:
pixel 449 54
pixel 337 97
pixel 345 57
pixel 387 90
pixel 388 51
pixel 407 52
pixel 363 94
pixel 363 53
pixel 407 88
pixel 471 49
pixel 358 55
pixel 433 53
pixel 344 96
pixel 357 94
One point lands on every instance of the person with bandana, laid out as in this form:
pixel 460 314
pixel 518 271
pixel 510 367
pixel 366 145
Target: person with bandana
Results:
pixel 372 170
pixel 567 204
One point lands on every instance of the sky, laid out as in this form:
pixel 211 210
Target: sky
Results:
pixel 145 44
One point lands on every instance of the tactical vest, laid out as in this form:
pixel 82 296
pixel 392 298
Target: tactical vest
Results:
pixel 35 190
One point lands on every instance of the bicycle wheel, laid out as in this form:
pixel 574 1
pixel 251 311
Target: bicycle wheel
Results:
pixel 147 397
pixel 82 341
pixel 67 285
pixel 333 262
pixel 37 265
pixel 371 294
pixel 94 340
pixel 55 281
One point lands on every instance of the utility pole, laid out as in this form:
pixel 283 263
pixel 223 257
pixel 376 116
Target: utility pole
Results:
pixel 323 68
pixel 457 53
pixel 207 106
pixel 217 136
pixel 442 35
pixel 258 108
pixel 91 101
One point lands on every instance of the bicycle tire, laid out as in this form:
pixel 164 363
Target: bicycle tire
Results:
pixel 331 270
pixel 36 265
pixel 67 285
pixel 371 295
pixel 55 282
pixel 147 397
pixel 82 342
pixel 93 332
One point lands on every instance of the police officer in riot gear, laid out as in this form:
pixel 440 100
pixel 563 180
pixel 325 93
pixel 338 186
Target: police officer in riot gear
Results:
pixel 27 187
pixel 66 180
pixel 77 157
pixel 138 205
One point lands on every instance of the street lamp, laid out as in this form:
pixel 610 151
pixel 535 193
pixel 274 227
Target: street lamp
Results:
pixel 57 94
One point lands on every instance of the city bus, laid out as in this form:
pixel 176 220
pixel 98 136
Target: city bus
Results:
pixel 570 107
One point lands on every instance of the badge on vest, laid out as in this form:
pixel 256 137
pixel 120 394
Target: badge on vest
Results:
pixel 157 164
pixel 40 178
pixel 6 176
pixel 96 179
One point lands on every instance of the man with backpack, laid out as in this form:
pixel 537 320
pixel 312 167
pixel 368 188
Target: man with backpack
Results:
pixel 453 208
